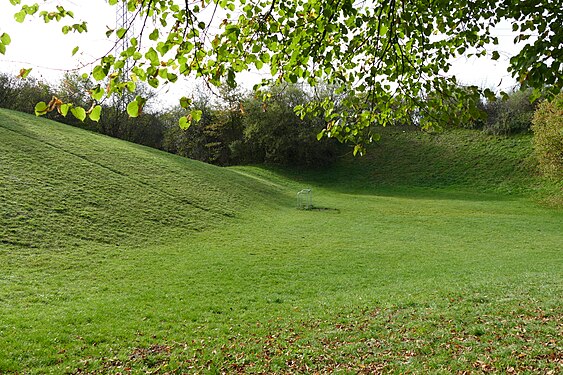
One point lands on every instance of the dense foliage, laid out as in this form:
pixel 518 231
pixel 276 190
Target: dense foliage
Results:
pixel 548 137
pixel 390 57
pixel 507 115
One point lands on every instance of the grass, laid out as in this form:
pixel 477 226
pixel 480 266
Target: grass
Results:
pixel 455 161
pixel 388 278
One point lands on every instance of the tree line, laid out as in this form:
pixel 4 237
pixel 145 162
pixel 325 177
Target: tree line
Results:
pixel 238 128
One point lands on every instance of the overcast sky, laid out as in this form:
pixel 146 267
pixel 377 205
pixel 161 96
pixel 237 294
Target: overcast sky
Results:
pixel 45 49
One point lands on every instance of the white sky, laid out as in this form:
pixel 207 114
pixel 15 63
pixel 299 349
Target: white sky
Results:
pixel 45 49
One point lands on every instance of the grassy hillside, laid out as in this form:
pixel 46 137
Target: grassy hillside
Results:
pixel 61 186
pixel 460 160
pixel 115 258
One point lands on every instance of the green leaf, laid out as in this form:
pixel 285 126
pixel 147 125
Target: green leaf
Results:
pixel 358 149
pixel 121 33
pixel 154 35
pixel 153 82
pixel 196 114
pixel 184 122
pixel 133 109
pixel 98 73
pixel 496 55
pixel 131 86
pixel 536 94
pixel 20 16
pixel 490 95
pixel 95 113
pixel 152 56
pixel 185 102
pixel 97 93
pixel 79 113
pixel 2 49
pixel 41 108
pixel 75 50
pixel 382 31
pixel 64 109
pixel 5 39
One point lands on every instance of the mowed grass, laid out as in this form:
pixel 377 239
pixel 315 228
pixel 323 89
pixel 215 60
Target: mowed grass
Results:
pixel 376 279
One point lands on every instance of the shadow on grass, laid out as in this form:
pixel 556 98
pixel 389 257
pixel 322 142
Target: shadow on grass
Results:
pixel 454 165
pixel 322 209
pixel 317 182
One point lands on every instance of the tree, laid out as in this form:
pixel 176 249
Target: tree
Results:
pixel 390 57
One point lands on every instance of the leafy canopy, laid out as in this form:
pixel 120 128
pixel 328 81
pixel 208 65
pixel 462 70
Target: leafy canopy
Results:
pixel 389 57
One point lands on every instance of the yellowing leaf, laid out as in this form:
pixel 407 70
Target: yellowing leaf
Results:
pixel 24 73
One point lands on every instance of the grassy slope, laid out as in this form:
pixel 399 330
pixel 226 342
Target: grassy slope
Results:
pixel 457 160
pixel 62 186
pixel 388 278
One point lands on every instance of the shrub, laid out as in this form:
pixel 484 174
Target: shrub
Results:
pixel 548 137
pixel 511 115
pixel 274 134
pixel 22 94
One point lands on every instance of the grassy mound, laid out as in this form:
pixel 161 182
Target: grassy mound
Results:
pixel 62 186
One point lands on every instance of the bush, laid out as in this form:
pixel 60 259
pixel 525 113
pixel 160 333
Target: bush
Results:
pixel 274 134
pixel 241 129
pixel 548 137
pixel 511 115
pixel 210 139
pixel 8 87
pixel 22 94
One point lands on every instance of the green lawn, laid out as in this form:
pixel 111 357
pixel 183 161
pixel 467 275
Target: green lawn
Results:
pixel 115 258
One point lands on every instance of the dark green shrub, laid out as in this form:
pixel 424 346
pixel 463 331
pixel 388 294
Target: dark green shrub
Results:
pixel 548 137
pixel 8 86
pixel 511 115
pixel 241 129
pixel 274 134
pixel 209 139
pixel 22 94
